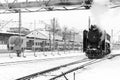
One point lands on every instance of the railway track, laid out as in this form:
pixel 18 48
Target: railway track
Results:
pixel 76 68
pixel 86 62
pixel 84 65
pixel 51 70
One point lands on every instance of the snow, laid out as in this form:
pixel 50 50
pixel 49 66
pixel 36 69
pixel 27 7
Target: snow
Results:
pixel 105 70
pixel 11 72
pixel 4 57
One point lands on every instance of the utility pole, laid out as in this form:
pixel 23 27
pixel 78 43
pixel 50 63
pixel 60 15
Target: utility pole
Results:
pixel 70 45
pixel 19 11
pixel 74 41
pixel 49 39
pixel 53 24
pixel 20 23
pixel 65 30
pixel 35 37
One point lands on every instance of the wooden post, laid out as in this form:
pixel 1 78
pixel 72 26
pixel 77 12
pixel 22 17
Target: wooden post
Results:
pixel 20 22
pixel 74 42
pixel 34 38
pixel 53 34
pixel 44 47
pixel 74 76
pixel 64 76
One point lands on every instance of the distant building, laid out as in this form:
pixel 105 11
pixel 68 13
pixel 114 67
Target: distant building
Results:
pixel 118 38
pixel 115 1
pixel 4 36
pixel 42 34
pixel 23 30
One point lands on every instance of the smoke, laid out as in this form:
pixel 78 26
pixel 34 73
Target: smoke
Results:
pixel 98 10
pixel 105 17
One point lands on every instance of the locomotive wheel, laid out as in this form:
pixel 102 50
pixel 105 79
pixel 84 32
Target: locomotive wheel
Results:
pixel 100 55
pixel 95 55
pixel 90 55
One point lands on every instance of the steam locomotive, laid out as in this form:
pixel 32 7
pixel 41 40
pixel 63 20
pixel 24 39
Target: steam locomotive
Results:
pixel 96 42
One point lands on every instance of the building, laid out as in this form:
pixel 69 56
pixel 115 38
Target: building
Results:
pixel 4 36
pixel 42 34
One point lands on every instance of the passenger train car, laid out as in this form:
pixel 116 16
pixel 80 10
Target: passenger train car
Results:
pixel 48 45
pixel 19 44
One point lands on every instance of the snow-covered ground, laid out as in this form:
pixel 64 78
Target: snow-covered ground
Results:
pixel 11 72
pixel 4 57
pixel 105 70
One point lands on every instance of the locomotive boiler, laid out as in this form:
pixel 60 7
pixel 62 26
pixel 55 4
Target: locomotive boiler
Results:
pixel 96 42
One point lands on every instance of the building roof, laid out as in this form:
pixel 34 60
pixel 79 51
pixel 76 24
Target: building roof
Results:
pixel 2 32
pixel 42 34
pixel 38 34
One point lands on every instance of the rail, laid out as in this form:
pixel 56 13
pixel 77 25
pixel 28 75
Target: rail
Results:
pixel 85 65
pixel 28 77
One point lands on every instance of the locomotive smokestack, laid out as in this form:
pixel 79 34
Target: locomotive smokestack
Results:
pixel 89 22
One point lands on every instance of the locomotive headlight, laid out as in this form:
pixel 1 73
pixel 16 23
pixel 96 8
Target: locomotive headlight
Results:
pixel 94 37
pixel 94 49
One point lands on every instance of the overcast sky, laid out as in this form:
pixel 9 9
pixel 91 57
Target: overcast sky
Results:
pixel 76 19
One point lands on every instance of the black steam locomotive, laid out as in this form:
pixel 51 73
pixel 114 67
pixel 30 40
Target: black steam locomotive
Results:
pixel 96 42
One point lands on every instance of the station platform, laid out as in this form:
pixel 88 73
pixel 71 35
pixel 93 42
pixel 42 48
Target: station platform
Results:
pixel 28 55
pixel 46 60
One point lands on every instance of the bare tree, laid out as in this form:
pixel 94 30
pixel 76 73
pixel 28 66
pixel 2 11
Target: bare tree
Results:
pixel 55 29
pixel 65 35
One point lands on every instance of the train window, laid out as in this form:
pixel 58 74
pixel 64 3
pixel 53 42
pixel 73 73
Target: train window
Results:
pixel 39 43
pixel 48 43
pixel 36 43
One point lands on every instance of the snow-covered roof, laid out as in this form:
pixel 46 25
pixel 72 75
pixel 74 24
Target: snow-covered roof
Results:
pixel 42 34
pixel 38 34
pixel 4 32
